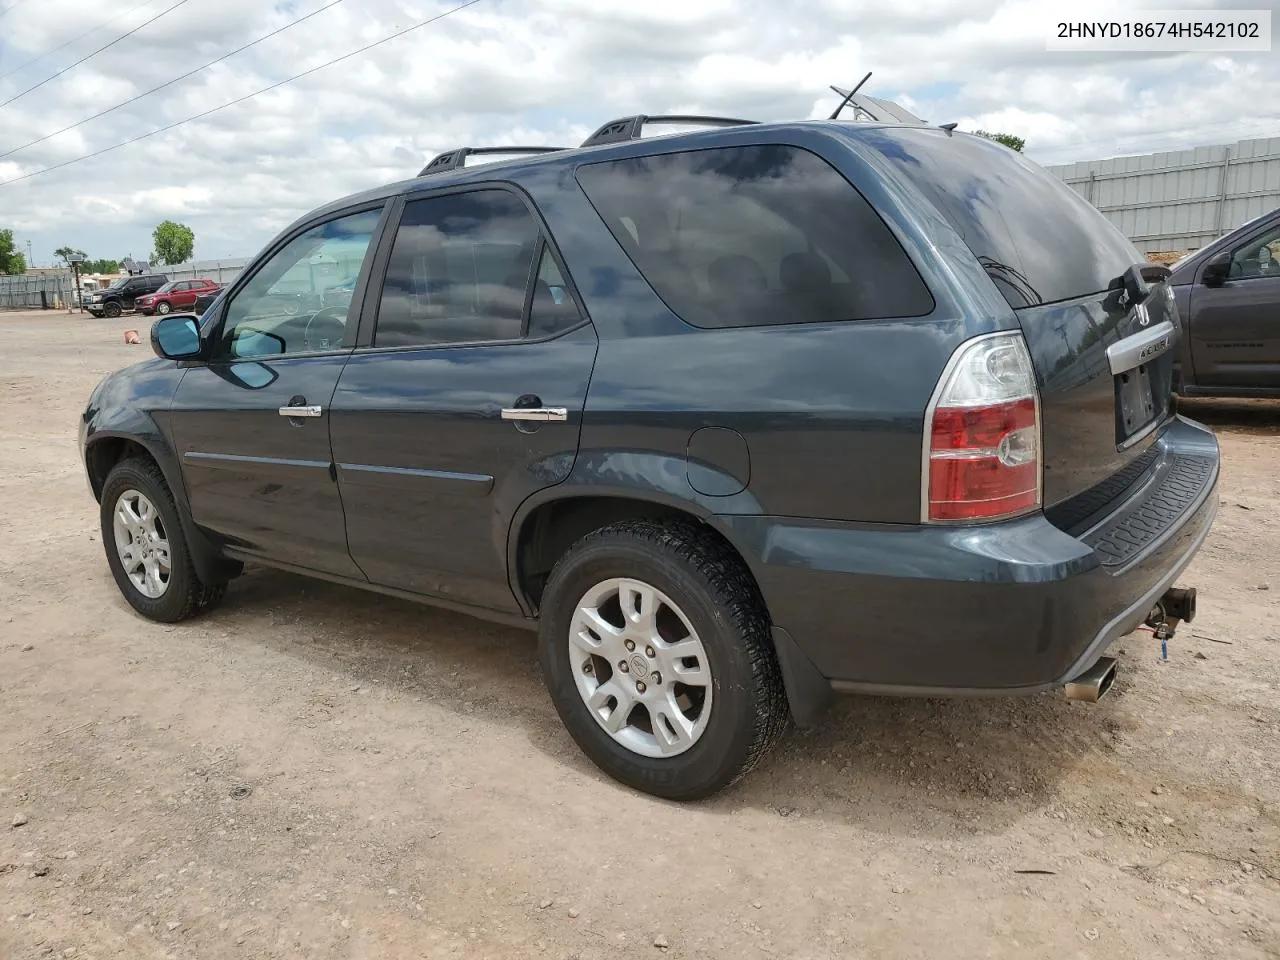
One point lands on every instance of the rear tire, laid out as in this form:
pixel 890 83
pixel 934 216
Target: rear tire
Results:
pixel 146 547
pixel 702 590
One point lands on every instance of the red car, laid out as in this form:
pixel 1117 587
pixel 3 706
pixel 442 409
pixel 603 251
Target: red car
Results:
pixel 179 295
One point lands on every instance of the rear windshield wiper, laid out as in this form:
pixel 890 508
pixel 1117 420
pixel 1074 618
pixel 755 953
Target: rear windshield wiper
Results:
pixel 1012 277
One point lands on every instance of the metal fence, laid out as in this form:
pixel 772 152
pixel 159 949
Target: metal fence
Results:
pixel 219 271
pixel 1181 200
pixel 46 291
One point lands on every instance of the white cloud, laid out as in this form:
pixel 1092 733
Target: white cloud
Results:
pixel 534 71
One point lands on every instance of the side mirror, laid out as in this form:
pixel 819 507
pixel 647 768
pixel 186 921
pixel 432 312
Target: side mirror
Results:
pixel 176 338
pixel 1217 270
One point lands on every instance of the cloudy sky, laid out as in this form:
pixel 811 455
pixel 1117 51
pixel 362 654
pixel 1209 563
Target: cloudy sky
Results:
pixel 531 71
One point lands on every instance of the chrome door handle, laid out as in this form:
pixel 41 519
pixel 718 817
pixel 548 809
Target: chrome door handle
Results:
pixel 540 414
pixel 313 411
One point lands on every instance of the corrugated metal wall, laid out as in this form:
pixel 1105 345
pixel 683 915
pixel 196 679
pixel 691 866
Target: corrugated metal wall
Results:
pixel 1181 200
pixel 219 271
pixel 48 291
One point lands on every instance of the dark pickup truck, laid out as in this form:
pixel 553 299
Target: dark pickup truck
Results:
pixel 1228 296
pixel 733 418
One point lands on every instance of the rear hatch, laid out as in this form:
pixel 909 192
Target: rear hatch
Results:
pixel 1098 319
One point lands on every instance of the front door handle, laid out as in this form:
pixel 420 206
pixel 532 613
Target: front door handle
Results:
pixel 302 411
pixel 539 414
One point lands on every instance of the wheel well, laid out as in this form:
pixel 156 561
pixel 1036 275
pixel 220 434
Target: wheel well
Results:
pixel 101 456
pixel 551 529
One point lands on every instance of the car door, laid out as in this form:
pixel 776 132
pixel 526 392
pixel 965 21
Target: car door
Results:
pixel 131 292
pixel 180 297
pixel 463 397
pixel 251 425
pixel 1235 322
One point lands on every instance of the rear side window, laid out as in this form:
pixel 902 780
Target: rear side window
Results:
pixel 754 235
pixel 1039 240
pixel 459 272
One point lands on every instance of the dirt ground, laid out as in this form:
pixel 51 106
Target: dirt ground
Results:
pixel 319 772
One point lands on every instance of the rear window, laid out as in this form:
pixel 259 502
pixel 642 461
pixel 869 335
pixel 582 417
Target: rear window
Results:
pixel 1038 239
pixel 754 235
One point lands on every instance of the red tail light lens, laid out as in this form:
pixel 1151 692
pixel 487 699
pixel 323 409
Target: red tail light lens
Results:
pixel 982 439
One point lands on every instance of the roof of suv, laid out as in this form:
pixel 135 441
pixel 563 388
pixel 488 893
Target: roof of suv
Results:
pixel 720 134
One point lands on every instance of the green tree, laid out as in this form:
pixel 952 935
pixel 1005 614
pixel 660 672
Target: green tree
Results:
pixel 66 253
pixel 174 242
pixel 1008 139
pixel 100 266
pixel 12 263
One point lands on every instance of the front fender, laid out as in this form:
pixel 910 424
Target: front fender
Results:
pixel 130 407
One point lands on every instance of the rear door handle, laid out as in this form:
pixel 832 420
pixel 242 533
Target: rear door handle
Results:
pixel 540 414
pixel 302 411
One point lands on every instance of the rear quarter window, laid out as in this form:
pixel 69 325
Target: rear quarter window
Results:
pixel 755 235
pixel 1039 240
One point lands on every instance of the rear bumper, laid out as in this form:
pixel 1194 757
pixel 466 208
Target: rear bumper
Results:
pixel 1007 608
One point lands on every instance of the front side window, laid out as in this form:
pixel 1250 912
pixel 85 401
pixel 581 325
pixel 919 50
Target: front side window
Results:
pixel 287 306
pixel 762 234
pixel 459 271
pixel 1260 257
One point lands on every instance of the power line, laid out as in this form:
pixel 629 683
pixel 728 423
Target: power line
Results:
pixel 169 83
pixel 78 36
pixel 248 96
pixel 90 56
pixel 12 7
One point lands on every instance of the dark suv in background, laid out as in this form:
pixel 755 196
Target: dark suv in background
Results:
pixel 123 294
pixel 1228 296
pixel 734 418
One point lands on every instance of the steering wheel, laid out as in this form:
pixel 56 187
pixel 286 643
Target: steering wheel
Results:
pixel 325 328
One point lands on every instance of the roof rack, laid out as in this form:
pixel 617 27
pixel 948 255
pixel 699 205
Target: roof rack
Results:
pixel 456 158
pixel 629 128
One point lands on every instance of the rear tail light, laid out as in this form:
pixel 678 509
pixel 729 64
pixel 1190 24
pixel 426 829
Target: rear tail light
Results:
pixel 982 444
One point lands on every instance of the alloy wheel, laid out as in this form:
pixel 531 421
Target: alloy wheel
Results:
pixel 142 544
pixel 640 667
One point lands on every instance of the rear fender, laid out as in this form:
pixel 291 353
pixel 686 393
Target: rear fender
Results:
pixel 660 479
pixel 645 476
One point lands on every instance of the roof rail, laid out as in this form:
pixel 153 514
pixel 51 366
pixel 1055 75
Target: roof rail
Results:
pixel 629 128
pixel 456 158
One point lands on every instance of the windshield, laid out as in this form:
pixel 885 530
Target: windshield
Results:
pixel 1038 240
pixel 117 284
pixel 167 287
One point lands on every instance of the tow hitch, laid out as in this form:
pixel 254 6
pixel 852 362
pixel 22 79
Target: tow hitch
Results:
pixel 1175 607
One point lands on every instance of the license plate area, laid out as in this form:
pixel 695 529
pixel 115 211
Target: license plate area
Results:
pixel 1136 406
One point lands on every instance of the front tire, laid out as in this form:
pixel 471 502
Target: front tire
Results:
pixel 146 547
pixel 112 309
pixel 655 647
pixel 163 307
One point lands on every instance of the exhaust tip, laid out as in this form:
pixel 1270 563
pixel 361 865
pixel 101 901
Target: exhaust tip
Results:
pixel 1092 685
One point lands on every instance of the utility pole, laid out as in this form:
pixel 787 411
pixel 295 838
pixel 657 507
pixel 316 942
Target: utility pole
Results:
pixel 30 262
